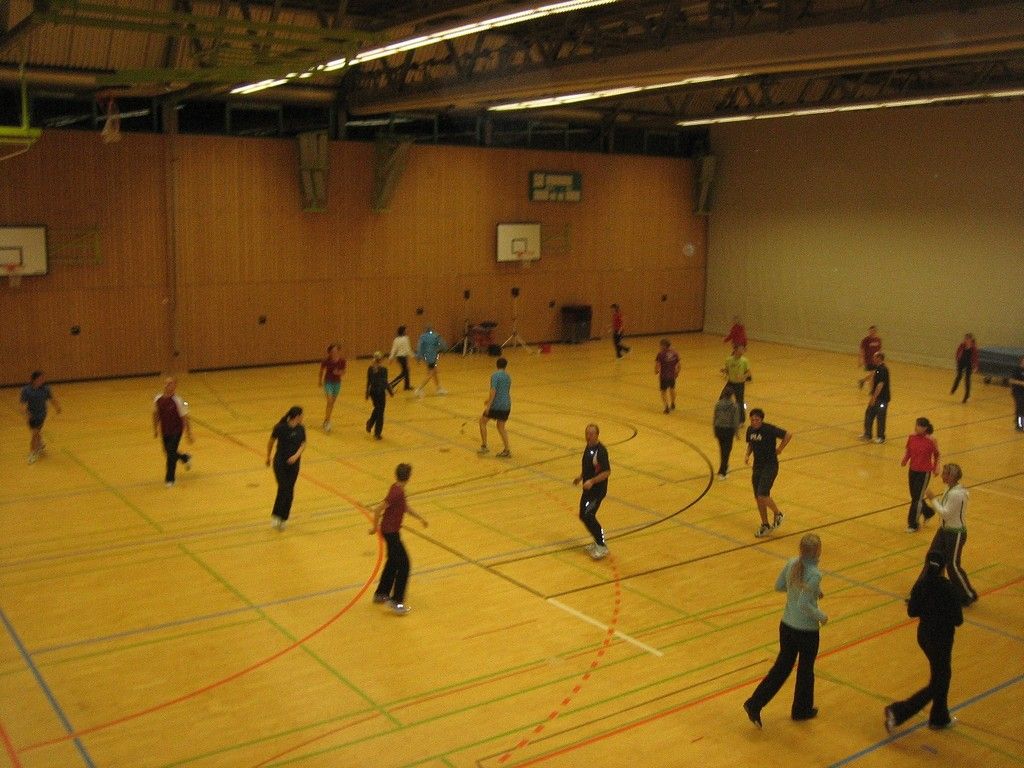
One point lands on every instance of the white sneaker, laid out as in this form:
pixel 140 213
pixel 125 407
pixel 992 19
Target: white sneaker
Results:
pixel 33 457
pixel 327 427
pixel 276 522
pixel 777 522
pixel 169 484
pixel 400 608
pixel 419 392
pixel 442 391
pixel 763 531
pixel 721 476
pixel 879 440
pixel 600 552
pixel 589 549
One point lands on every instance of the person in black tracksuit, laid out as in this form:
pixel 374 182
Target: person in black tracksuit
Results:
pixel 377 390
pixel 1017 390
pixel 936 604
pixel 290 437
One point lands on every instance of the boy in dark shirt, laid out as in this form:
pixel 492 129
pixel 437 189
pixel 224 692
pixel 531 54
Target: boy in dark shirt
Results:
pixel 33 399
pixel 761 438
pixel 594 478
pixel 377 390
pixel 388 517
pixel 934 601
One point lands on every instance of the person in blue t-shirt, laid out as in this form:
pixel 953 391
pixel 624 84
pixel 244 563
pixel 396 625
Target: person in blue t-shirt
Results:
pixel 430 346
pixel 497 406
pixel 33 404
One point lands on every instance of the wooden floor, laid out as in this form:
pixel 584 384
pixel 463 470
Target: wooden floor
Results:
pixel 147 626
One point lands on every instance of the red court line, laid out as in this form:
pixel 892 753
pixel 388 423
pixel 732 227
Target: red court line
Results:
pixel 252 667
pixel 9 747
pixel 717 694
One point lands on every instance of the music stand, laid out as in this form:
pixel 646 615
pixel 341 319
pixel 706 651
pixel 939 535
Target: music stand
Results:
pixel 515 339
pixel 465 341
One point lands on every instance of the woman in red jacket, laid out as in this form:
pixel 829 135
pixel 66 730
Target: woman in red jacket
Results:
pixel 966 363
pixel 923 456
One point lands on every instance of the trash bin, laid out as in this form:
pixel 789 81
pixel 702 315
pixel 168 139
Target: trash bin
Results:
pixel 576 323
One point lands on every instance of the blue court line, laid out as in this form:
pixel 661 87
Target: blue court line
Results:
pixel 46 689
pixel 919 726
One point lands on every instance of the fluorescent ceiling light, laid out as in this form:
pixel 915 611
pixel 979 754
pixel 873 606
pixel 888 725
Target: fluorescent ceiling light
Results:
pixel 573 98
pixel 420 41
pixel 889 104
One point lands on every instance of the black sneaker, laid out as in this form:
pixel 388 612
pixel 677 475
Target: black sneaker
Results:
pixel 890 720
pixel 808 715
pixel 753 714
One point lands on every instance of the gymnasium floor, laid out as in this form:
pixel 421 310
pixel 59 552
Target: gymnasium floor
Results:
pixel 155 627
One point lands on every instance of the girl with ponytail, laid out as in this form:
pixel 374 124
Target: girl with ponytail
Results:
pixel 290 437
pixel 800 579
pixel 923 455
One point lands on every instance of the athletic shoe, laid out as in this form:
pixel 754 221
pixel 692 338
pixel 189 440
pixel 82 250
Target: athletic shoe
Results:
pixel 879 440
pixel 368 427
pixel 809 715
pixel 721 476
pixel 866 438
pixel 890 720
pixel 33 457
pixel 590 548
pixel 377 437
pixel 600 552
pixel 327 426
pixel 419 392
pixel 763 531
pixel 276 522
pixel 482 450
pixel 911 529
pixel 666 409
pixel 380 598
pixel 506 454
pixel 944 727
pixel 753 714
pixel 442 391
pixel 673 406
pixel 400 608
pixel 169 484
pixel 188 461
pixel 777 522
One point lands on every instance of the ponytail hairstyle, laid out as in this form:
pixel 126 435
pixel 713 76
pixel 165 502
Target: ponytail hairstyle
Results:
pixel 923 422
pixel 295 410
pixel 810 549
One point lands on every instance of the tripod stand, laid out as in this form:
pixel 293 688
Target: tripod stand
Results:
pixel 515 339
pixel 465 342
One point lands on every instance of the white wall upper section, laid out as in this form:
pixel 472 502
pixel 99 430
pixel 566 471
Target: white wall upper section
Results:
pixel 911 220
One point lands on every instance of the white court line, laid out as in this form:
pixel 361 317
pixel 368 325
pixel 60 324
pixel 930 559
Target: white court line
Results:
pixel 1018 497
pixel 596 623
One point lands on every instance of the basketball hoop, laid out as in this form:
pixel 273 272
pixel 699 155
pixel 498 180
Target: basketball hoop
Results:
pixel 13 275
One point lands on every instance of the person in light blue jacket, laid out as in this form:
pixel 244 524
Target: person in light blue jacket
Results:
pixel 800 579
pixel 430 346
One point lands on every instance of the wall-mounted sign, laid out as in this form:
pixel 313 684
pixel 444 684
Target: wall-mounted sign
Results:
pixel 556 186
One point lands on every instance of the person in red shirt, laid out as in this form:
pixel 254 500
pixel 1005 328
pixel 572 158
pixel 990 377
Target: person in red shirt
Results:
pixel 620 348
pixel 966 363
pixel 737 334
pixel 388 518
pixel 170 420
pixel 331 370
pixel 923 455
pixel 869 345
pixel 666 365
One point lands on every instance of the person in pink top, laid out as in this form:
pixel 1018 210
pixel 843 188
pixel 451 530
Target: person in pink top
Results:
pixel 923 456
pixel 737 334
pixel 966 364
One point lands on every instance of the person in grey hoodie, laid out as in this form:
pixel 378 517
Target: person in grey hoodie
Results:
pixel 726 422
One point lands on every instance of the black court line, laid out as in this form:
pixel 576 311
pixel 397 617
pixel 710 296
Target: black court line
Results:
pixel 759 542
